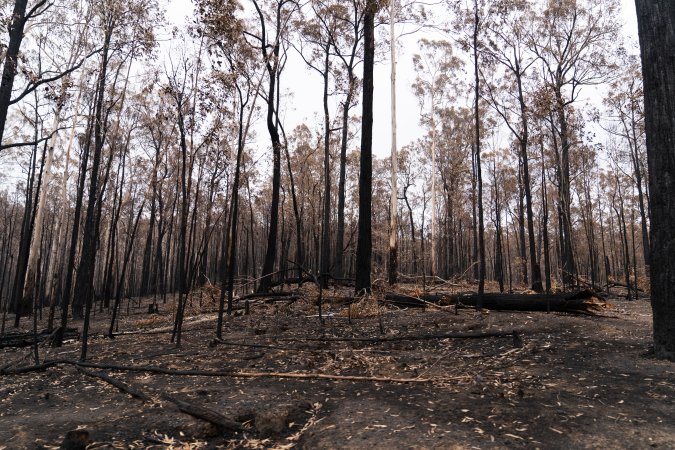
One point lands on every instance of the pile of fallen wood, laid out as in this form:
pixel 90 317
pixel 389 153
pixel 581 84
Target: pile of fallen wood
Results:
pixel 26 339
pixel 578 302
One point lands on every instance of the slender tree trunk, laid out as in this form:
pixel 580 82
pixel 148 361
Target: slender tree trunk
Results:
pixel 26 232
pixel 84 284
pixel 433 243
pixel 339 244
pixel 273 130
pixel 544 224
pixel 181 262
pixel 393 204
pixel 479 178
pixel 325 235
pixel 499 259
pixel 127 254
pixel 521 224
pixel 621 218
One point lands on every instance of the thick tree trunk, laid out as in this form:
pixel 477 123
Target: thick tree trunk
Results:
pixel 535 269
pixel 567 253
pixel 656 29
pixel 364 244
pixel 585 302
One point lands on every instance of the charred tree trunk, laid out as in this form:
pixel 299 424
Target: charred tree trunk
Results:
pixel 364 244
pixel 272 64
pixel 19 18
pixel 84 283
pixel 325 234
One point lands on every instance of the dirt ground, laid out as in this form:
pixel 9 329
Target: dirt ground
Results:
pixel 566 381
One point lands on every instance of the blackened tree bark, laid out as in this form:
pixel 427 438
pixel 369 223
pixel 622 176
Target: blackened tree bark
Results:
pixel 84 283
pixel 75 233
pixel 656 29
pixel 349 60
pixel 499 258
pixel 521 223
pixel 26 232
pixel 271 61
pixel 19 19
pixel 127 255
pixel 364 244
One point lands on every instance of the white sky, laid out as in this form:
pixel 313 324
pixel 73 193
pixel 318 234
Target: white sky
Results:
pixel 302 102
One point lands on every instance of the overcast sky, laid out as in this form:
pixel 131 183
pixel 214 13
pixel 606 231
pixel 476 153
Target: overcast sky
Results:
pixel 302 102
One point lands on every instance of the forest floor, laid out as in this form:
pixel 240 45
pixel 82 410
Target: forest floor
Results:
pixel 565 381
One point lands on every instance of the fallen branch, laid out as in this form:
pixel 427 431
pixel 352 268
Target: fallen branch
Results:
pixel 36 368
pixel 219 373
pixel 424 337
pixel 122 386
pixel 224 424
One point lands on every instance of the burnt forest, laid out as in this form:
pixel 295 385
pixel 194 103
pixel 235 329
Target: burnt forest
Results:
pixel 337 224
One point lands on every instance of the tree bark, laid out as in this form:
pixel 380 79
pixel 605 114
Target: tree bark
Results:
pixel 393 205
pixel 656 29
pixel 10 63
pixel 479 178
pixel 364 244
pixel 272 65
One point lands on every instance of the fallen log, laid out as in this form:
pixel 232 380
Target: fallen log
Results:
pixel 288 298
pixel 265 295
pixel 578 302
pixel 409 301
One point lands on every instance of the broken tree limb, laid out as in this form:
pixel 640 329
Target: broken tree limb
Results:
pixel 248 344
pixel 423 337
pixel 36 368
pixel 579 302
pixel 265 295
pixel 121 385
pixel 223 423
